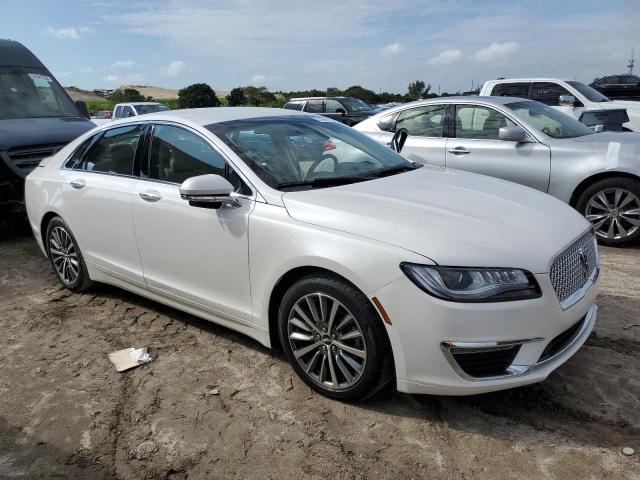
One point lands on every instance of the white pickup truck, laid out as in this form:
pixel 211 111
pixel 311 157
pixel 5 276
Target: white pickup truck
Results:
pixel 571 97
pixel 131 109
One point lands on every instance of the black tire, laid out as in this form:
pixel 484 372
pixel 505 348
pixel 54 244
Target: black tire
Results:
pixel 608 186
pixel 81 280
pixel 378 366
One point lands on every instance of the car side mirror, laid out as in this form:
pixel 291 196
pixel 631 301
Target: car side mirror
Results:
pixel 341 110
pixel 567 100
pixel 208 191
pixel 398 140
pixel 82 107
pixel 513 134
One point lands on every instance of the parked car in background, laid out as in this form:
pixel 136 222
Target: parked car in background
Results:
pixel 347 110
pixel 571 97
pixel 619 86
pixel 37 118
pixel 386 106
pixel 530 143
pixel 132 109
pixel 102 114
pixel 363 271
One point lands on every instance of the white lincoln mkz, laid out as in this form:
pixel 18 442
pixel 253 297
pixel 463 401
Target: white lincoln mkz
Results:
pixel 309 236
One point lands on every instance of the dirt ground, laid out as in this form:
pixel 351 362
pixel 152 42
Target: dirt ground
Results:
pixel 66 413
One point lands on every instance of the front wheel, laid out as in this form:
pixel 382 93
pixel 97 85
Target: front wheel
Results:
pixel 334 338
pixel 612 206
pixel 66 257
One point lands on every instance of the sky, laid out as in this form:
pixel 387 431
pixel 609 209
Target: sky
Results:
pixel 298 44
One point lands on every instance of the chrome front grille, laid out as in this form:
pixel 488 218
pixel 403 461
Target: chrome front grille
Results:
pixel 572 269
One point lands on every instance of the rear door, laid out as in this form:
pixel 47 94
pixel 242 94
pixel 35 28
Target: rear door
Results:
pixel 425 124
pixel 335 110
pixel 475 147
pixel 100 184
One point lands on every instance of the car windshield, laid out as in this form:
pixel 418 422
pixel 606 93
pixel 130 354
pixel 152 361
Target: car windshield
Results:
pixel 356 105
pixel 142 109
pixel 591 93
pixel 552 122
pixel 32 93
pixel 303 152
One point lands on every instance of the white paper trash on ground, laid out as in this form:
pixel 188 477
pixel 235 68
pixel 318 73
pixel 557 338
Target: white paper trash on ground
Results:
pixel 129 358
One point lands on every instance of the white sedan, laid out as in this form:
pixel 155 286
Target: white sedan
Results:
pixel 309 236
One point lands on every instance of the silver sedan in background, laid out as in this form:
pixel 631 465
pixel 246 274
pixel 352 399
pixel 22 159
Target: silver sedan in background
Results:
pixel 526 142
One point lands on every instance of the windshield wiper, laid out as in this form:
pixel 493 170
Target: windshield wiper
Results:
pixel 392 171
pixel 324 182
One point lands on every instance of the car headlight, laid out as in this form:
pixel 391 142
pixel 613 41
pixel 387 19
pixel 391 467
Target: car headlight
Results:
pixel 462 284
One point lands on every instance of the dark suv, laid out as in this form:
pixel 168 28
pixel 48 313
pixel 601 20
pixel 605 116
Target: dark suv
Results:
pixel 619 86
pixel 37 118
pixel 347 110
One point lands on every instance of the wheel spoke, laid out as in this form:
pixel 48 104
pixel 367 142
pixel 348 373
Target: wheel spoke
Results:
pixel 632 221
pixel 313 310
pixel 55 251
pixel 307 349
pixel 332 370
pixel 347 318
pixel 350 335
pixel 594 204
pixel 603 198
pixel 304 317
pixel 623 232
pixel 351 350
pixel 301 337
pixel 595 217
pixel 322 368
pixel 635 211
pixel 300 324
pixel 312 362
pixel 332 315
pixel 343 368
pixel 628 199
pixel 610 231
pixel 617 196
pixel 355 365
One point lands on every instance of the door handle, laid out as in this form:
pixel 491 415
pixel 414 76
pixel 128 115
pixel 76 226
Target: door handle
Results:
pixel 459 151
pixel 78 183
pixel 150 196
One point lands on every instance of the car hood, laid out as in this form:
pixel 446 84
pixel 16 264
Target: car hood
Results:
pixel 451 217
pixel 23 132
pixel 629 105
pixel 631 138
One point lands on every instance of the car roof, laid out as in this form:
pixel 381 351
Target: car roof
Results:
pixel 316 98
pixel 207 116
pixel 14 54
pixel 532 79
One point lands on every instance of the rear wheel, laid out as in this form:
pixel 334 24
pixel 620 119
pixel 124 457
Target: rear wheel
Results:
pixel 612 206
pixel 334 338
pixel 66 257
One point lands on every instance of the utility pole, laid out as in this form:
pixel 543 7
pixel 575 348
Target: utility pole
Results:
pixel 631 63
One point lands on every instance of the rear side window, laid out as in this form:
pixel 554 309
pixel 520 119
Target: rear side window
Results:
pixel 548 93
pixel 315 106
pixel 114 151
pixel 118 113
pixel 424 121
pixel 333 106
pixel 479 122
pixel 293 106
pixel 511 90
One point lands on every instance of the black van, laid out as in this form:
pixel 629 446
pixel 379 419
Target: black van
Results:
pixel 37 118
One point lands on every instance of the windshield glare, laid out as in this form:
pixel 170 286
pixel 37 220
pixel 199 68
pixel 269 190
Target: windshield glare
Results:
pixel 552 122
pixel 300 150
pixel 356 105
pixel 143 109
pixel 591 93
pixel 32 93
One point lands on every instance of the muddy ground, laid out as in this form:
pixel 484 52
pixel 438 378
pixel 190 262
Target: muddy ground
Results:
pixel 66 413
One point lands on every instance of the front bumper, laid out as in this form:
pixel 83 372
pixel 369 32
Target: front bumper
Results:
pixel 426 331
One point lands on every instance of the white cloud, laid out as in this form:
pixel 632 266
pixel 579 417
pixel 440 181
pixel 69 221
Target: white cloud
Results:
pixel 110 78
pixel 123 64
pixel 496 52
pixel 67 33
pixel 174 68
pixel 258 78
pixel 446 57
pixel 391 49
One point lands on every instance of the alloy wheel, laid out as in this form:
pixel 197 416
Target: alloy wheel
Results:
pixel 614 213
pixel 64 255
pixel 326 341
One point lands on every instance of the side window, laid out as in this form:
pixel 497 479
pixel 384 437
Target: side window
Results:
pixel 114 151
pixel 315 106
pixel 118 113
pixel 128 111
pixel 630 80
pixel 479 122
pixel 332 106
pixel 548 93
pixel 520 89
pixel 293 106
pixel 424 121
pixel 177 154
pixel 75 161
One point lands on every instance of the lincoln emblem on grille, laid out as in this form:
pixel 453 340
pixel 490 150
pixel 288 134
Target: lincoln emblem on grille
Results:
pixel 584 262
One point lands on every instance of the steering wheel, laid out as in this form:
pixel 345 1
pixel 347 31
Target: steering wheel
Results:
pixel 556 132
pixel 315 164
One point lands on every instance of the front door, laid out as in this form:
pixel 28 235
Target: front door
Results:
pixel 197 256
pixel 425 143
pixel 475 147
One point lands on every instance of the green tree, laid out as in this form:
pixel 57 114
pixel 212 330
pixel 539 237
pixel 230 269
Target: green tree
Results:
pixel 365 94
pixel 260 97
pixel 127 95
pixel 236 97
pixel 417 90
pixel 334 92
pixel 198 95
